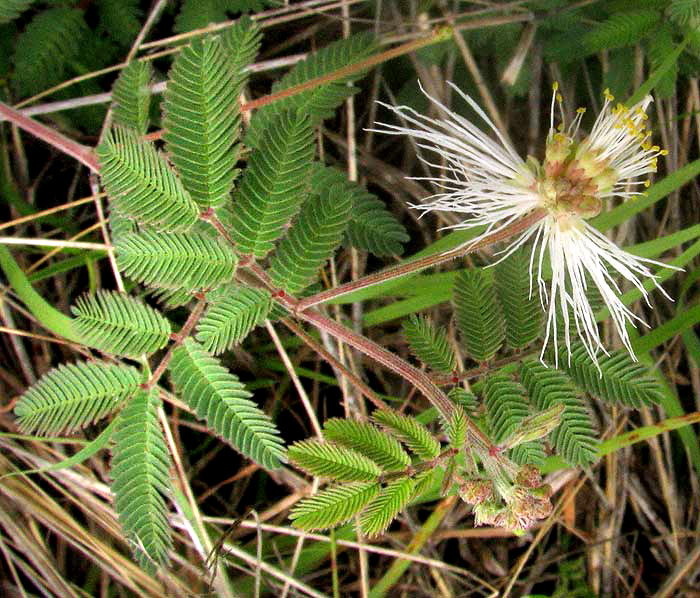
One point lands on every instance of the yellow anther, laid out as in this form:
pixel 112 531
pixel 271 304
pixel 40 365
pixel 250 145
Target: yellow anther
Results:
pixel 560 99
pixel 580 110
pixel 655 148
pixel 555 86
pixel 647 183
pixel 607 95
pixel 646 146
pixel 664 152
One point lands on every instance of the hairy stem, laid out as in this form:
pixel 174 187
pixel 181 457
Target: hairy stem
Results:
pixel 421 264
pixel 185 331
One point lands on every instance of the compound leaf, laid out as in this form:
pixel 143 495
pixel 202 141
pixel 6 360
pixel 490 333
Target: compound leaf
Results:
pixel 217 396
pixel 176 261
pixel 333 506
pixel 337 463
pixel 623 28
pixel 574 438
pixel 456 429
pixel 320 101
pixel 229 320
pixel 201 121
pixel 464 399
pixel 313 237
pixel 141 185
pixel 46 47
pixel 116 323
pixel 409 431
pixel 619 379
pixel 528 453
pixel 368 440
pixel 521 311
pixel 75 395
pixel 479 315
pixel 506 406
pixel 429 344
pixel 241 44
pixel 140 480
pixel 131 95
pixel 274 184
pixel 120 19
pixel 379 513
pixel 372 227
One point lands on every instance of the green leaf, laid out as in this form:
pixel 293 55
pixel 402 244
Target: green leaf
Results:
pixel 171 298
pixel 241 44
pixel 11 9
pixel 201 121
pixel 119 324
pixel 229 320
pixel 429 344
pixel 574 438
pixel 464 399
pixel 196 14
pixel 521 308
pixel 140 480
pixel 132 96
pixel 313 237
pixel 333 506
pixel 177 261
pixel 379 513
pixel 409 431
pixel 72 396
pixel 218 397
pixel 536 426
pixel 372 227
pixel 479 316
pixel 621 29
pixel 120 19
pixel 506 406
pixel 381 448
pixel 320 101
pixel 274 184
pixel 46 47
pixel 619 379
pixel 141 185
pixel 456 428
pixel 528 453
pixel 684 12
pixel 660 47
pixel 337 463
pixel 426 481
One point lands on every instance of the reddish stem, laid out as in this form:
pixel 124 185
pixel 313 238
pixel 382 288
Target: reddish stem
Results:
pixel 178 338
pixel 76 150
pixel 421 264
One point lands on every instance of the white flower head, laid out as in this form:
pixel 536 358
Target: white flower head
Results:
pixel 491 185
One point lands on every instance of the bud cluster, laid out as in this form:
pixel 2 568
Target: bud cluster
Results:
pixel 523 503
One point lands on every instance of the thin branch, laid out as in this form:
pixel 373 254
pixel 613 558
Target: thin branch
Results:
pixel 68 146
pixel 185 331
pixel 421 264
